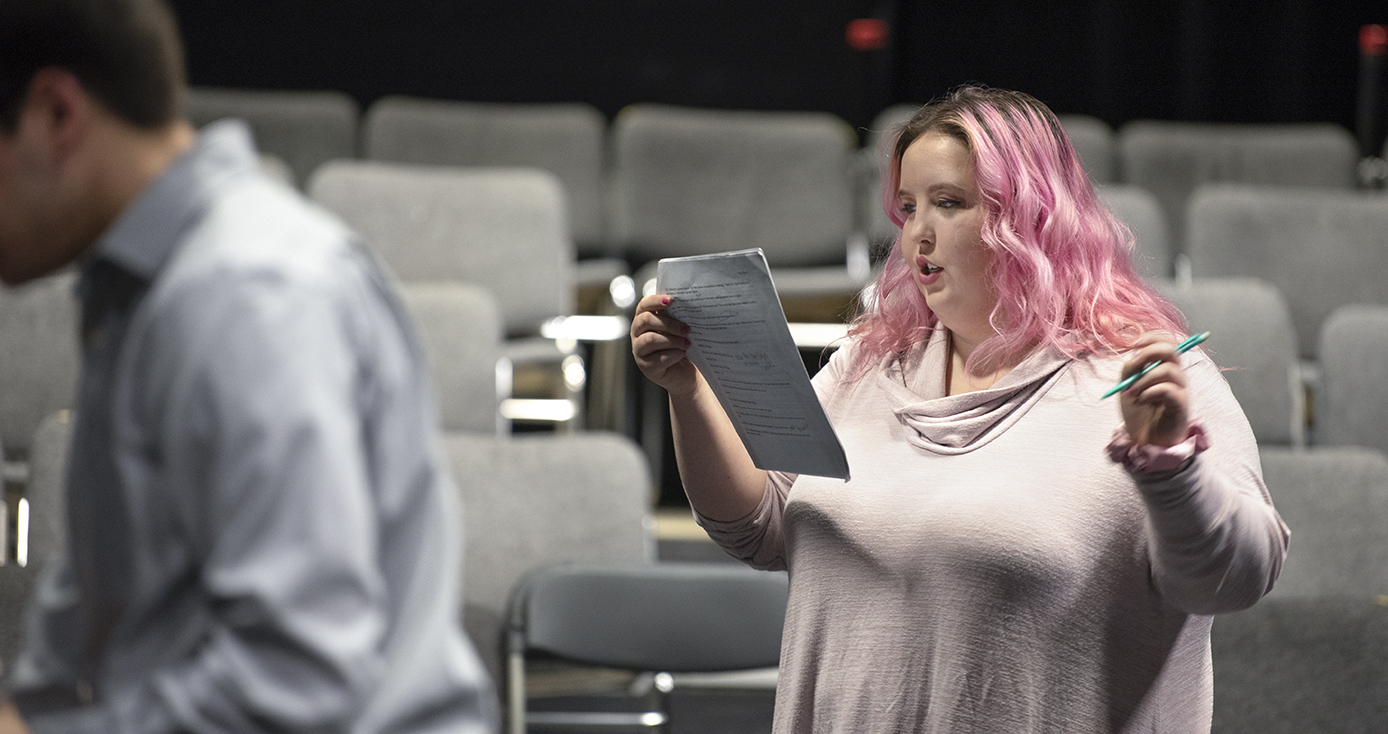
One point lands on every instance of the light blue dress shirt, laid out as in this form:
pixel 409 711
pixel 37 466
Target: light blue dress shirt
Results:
pixel 263 532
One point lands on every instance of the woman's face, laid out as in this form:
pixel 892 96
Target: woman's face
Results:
pixel 940 238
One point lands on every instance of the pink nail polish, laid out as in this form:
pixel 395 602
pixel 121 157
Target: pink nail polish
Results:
pixel 665 300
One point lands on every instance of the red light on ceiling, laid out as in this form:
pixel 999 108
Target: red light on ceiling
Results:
pixel 1373 40
pixel 868 34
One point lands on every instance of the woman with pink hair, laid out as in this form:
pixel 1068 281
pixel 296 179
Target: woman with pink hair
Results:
pixel 1013 553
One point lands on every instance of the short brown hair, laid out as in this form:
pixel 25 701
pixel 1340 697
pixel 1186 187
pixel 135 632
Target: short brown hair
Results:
pixel 126 53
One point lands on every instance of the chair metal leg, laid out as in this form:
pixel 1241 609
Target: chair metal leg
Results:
pixel 515 692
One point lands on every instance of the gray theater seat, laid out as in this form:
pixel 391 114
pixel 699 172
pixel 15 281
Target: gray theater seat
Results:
pixel 565 139
pixel 529 501
pixel 460 328
pixel 1313 655
pixel 1141 211
pixel 1094 142
pixel 692 182
pixel 656 618
pixel 503 229
pixel 305 129
pixel 39 356
pixel 1253 342
pixel 1322 249
pixel 1172 159
pixel 1352 402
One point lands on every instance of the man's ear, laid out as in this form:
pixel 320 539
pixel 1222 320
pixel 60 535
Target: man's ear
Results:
pixel 59 109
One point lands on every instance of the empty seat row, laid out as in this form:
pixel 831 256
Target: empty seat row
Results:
pixel 1254 344
pixel 1173 159
pixel 527 503
pixel 1313 654
pixel 1306 657
pixel 647 215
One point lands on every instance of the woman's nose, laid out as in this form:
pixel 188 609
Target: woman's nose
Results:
pixel 916 229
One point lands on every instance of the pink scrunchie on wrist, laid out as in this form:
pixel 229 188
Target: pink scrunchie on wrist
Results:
pixel 1150 458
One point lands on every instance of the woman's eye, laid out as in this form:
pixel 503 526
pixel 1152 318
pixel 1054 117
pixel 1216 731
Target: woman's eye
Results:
pixel 908 208
pixel 947 203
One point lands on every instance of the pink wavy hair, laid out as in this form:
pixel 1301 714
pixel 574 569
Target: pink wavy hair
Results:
pixel 1061 264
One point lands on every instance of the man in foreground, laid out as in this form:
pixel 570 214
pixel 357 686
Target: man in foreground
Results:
pixel 261 528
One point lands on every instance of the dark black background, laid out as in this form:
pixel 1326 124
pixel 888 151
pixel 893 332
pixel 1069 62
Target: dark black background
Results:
pixel 1240 60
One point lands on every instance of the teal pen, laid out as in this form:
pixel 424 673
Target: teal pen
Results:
pixel 1181 348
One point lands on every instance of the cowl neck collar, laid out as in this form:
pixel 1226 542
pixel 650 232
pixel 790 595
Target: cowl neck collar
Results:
pixel 958 424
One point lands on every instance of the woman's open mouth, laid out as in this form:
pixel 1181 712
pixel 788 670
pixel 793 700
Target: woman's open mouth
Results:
pixel 929 271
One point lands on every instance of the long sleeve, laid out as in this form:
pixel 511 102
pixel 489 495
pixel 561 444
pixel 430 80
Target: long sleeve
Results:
pixel 266 490
pixel 758 538
pixel 1216 543
pixel 270 513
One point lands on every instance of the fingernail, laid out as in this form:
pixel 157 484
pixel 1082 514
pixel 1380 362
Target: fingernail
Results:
pixel 665 300
pixel 684 329
pixel 687 342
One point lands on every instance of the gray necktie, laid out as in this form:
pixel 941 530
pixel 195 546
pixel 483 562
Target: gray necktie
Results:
pixel 97 518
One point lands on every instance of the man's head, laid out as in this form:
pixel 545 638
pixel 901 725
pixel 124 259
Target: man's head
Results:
pixel 91 108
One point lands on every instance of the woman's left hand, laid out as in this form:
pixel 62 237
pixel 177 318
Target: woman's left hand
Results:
pixel 1156 408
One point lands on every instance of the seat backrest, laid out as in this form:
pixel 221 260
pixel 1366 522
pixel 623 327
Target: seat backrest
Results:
pixel 304 129
pixel 500 228
pixel 1141 211
pixel 1352 401
pixel 1252 341
pixel 1335 501
pixel 47 488
pixel 671 617
pixel 1301 665
pixel 871 160
pixel 1095 143
pixel 1322 249
pixel 39 356
pixel 565 139
pixel 887 121
pixel 460 328
pixel 692 182
pixel 534 500
pixel 1172 159
pixel 16 588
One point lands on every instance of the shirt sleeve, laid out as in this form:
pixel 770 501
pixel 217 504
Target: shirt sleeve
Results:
pixel 757 538
pixel 1216 542
pixel 263 435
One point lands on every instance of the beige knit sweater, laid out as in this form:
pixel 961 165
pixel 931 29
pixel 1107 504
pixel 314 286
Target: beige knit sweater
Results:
pixel 989 569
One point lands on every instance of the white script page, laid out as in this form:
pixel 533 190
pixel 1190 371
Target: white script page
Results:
pixel 743 347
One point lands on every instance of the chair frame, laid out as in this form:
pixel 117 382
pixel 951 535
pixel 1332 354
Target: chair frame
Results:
pixel 664 618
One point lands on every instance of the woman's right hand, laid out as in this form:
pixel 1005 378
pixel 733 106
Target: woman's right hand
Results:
pixel 659 343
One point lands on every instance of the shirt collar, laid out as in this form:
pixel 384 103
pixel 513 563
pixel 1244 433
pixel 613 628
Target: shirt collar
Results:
pixel 146 234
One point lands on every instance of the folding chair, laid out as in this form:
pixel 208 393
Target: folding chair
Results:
pixel 1352 402
pixel 39 361
pixel 1094 142
pixel 1255 345
pixel 1313 654
pixel 564 139
pixel 500 228
pixel 662 618
pixel 40 530
pixel 1321 248
pixel 1141 211
pixel 1172 159
pixel 460 328
pixel 691 182
pixel 532 500
pixel 304 129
